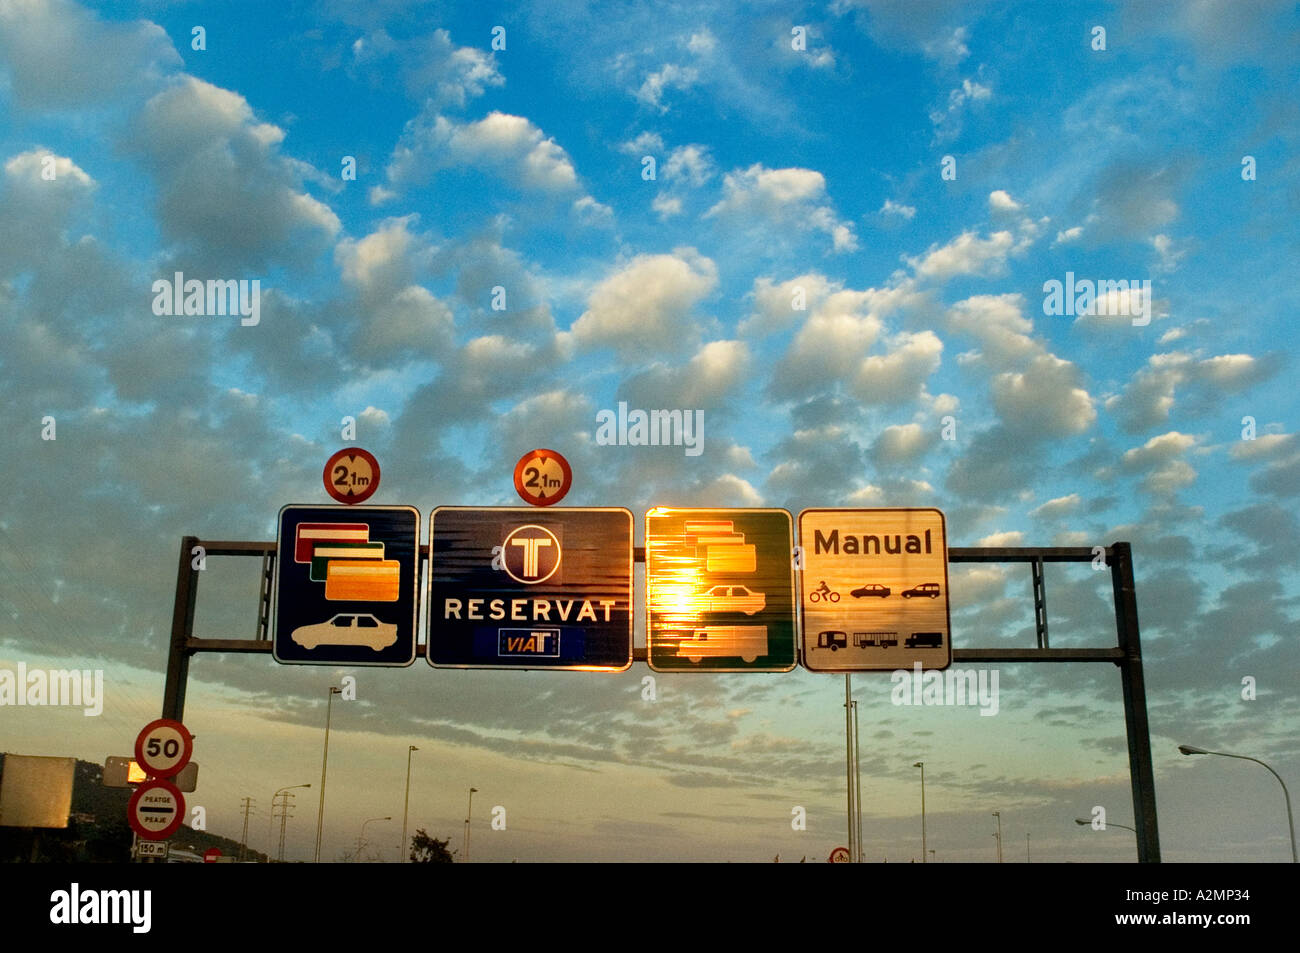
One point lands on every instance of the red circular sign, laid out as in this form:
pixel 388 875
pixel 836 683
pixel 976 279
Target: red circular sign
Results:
pixel 840 855
pixel 351 475
pixel 211 854
pixel 542 477
pixel 163 747
pixel 156 810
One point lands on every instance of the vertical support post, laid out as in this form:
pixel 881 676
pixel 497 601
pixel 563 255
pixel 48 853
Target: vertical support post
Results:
pixel 1040 601
pixel 264 597
pixel 1135 705
pixel 178 656
pixel 848 762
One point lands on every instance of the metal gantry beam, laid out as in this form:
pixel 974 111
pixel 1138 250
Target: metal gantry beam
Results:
pixel 1126 654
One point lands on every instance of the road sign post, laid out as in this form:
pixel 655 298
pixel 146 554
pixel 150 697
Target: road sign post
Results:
pixel 719 590
pixel 512 587
pixel 346 585
pixel 874 589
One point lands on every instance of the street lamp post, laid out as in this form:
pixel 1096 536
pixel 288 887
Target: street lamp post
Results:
pixel 405 807
pixel 469 812
pixel 284 814
pixel 1085 822
pixel 361 837
pixel 324 763
pixel 1191 749
pixel 924 853
pixel 998 835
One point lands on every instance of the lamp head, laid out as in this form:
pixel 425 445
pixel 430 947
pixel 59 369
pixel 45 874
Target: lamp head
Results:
pixel 1191 749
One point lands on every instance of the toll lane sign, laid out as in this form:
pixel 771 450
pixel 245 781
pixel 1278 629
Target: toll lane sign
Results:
pixel 719 590
pixel 874 589
pixel 519 587
pixel 346 585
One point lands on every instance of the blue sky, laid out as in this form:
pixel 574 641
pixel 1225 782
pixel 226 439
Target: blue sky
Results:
pixel 779 174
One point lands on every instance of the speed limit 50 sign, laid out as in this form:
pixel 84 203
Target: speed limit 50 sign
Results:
pixel 163 748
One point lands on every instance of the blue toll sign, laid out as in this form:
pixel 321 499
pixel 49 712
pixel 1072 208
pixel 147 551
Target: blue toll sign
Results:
pixel 517 587
pixel 346 585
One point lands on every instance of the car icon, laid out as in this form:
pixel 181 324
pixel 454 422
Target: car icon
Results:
pixel 929 590
pixel 732 599
pixel 870 589
pixel 347 628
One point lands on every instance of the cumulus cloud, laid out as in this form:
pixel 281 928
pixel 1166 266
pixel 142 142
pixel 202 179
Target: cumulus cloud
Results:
pixel 431 65
pixel 780 199
pixel 1160 462
pixel 512 146
pixel 712 375
pixel 967 254
pixel 646 304
pixel 1148 399
pixel 62 56
pixel 225 192
pixel 903 444
pixel 1044 400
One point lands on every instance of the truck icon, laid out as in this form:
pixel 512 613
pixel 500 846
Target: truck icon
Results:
pixel 747 642
pixel 925 640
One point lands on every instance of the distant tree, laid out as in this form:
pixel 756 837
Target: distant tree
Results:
pixel 429 850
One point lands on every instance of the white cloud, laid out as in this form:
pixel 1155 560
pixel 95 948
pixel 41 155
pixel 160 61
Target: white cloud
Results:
pixel 646 304
pixel 386 259
pixel 1060 506
pixel 999 324
pixel 997 540
pixel 668 76
pixel 702 42
pixel 904 443
pixel 782 199
pixel 891 207
pixel 1001 201
pixel 591 212
pixel 666 206
pixel 646 143
pixel 1044 400
pixel 224 190
pixel 967 254
pixel 899 375
pixel 510 145
pixel 1160 460
pixel 690 164
pixel 432 66
pixel 62 56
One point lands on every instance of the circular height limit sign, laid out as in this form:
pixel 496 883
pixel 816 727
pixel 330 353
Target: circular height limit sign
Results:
pixel 163 748
pixel 351 475
pixel 542 477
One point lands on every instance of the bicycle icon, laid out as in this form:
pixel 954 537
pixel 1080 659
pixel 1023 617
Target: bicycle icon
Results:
pixel 823 592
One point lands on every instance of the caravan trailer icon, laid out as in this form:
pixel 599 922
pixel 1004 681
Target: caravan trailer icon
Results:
pixel 746 642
